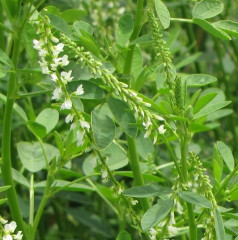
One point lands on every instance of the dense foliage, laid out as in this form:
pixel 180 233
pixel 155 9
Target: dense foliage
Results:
pixel 118 119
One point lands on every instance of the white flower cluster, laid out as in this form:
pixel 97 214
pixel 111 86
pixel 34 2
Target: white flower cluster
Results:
pixel 52 60
pixel 136 103
pixel 9 229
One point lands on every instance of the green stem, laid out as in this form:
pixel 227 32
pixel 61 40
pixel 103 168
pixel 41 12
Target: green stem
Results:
pixel 2 37
pixel 135 165
pixel 6 144
pixel 132 151
pixel 31 213
pixel 138 20
pixel 42 205
pixel 192 222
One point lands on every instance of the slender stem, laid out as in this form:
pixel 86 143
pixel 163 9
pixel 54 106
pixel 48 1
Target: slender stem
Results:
pixel 2 37
pixel 138 20
pixel 181 20
pixel 184 148
pixel 134 161
pixel 31 213
pixel 132 151
pixel 42 205
pixel 6 144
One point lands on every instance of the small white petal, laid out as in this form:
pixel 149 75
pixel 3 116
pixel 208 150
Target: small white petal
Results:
pixel 54 39
pixel 54 77
pixel 147 134
pixel 161 129
pixel 67 104
pixel 80 137
pixel 2 220
pixel 64 60
pixel 57 93
pixel 84 124
pixel 10 228
pixel 18 236
pixel 69 118
pixel 7 237
pixel 66 76
pixel 104 174
pixel 79 90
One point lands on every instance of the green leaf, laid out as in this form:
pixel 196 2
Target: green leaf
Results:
pixel 81 25
pixel 162 13
pixel 147 38
pixel 228 26
pixel 219 114
pixel 123 115
pixel 226 154
pixel 146 176
pixel 125 29
pixel 198 80
pixel 91 90
pixel 219 227
pixel 207 9
pixel 137 83
pixel 102 126
pixel 72 15
pixel 59 24
pixel 5 59
pixel 89 43
pixel 48 118
pixel 17 109
pixel 12 8
pixel 137 62
pixel 32 157
pixel 211 29
pixel 3 200
pixel 195 199
pixel 145 146
pixel 203 101
pixel 28 35
pixel 217 165
pixel 147 191
pixel 59 142
pixel 210 108
pixel 156 214
pixel 123 235
pixel 117 156
pixel 74 187
pixel 91 220
pixel 38 129
pixel 4 188
pixel 19 178
pixel 188 60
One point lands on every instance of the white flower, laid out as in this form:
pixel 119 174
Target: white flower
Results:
pixel 57 62
pixel 67 104
pixel 54 77
pixel 120 190
pixel 147 134
pixel 104 174
pixel 2 220
pixel 161 129
pixel 134 202
pixel 69 118
pixel 153 233
pixel 38 44
pixel 45 70
pixel 172 230
pixel 159 118
pixel 79 90
pixel 147 124
pixel 80 137
pixel 7 237
pixel 84 124
pixel 147 104
pixel 73 126
pixel 66 76
pixel 64 60
pixel 57 93
pixel 54 39
pixel 18 236
pixel 57 49
pixel 10 228
pixel 42 53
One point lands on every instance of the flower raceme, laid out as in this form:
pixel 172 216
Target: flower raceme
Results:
pixel 52 59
